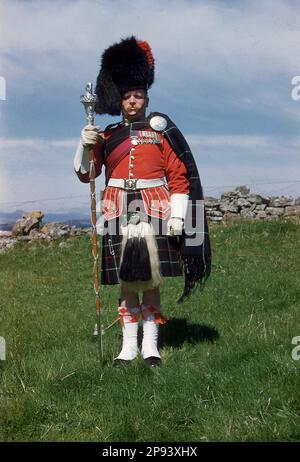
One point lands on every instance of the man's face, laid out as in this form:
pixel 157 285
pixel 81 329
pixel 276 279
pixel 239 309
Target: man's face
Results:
pixel 134 103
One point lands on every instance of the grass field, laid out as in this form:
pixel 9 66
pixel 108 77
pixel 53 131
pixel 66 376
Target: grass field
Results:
pixel 227 374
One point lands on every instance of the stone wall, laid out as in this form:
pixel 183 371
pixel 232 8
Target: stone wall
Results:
pixel 241 203
pixel 30 228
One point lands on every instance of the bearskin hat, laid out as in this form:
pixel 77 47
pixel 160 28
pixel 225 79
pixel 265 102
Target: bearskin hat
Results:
pixel 124 66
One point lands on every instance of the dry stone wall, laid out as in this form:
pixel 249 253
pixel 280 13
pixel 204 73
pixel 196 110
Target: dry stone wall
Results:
pixel 30 228
pixel 242 203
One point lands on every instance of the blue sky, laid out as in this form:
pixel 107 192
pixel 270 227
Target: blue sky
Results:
pixel 224 73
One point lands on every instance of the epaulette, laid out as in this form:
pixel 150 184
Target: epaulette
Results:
pixel 109 129
pixel 111 126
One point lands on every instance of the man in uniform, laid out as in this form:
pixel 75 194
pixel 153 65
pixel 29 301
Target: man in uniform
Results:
pixel 152 183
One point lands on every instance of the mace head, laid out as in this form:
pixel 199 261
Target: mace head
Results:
pixel 89 100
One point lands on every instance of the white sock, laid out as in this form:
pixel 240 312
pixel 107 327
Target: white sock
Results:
pixel 130 346
pixel 150 338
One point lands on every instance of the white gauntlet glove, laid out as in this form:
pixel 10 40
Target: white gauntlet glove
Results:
pixel 88 138
pixel 179 204
pixel 89 135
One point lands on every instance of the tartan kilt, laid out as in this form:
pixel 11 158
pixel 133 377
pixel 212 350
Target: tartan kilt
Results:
pixel 169 258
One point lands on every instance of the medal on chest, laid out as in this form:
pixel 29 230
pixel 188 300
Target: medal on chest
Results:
pixel 144 137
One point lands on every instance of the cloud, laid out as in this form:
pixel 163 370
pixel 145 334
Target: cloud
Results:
pixel 254 147
pixel 35 144
pixel 39 173
pixel 267 164
pixel 211 39
pixel 213 57
pixel 223 71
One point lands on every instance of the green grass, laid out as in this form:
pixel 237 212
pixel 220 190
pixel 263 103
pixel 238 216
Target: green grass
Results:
pixel 227 373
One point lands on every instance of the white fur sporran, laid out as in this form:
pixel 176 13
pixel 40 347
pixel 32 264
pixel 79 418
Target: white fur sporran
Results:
pixel 141 231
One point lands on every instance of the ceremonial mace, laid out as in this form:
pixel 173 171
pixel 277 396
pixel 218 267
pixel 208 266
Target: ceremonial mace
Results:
pixel 89 100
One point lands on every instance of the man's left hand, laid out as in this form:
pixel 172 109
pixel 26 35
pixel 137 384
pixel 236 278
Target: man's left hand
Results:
pixel 175 227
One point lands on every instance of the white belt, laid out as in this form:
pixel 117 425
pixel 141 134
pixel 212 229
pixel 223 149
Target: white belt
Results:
pixel 134 183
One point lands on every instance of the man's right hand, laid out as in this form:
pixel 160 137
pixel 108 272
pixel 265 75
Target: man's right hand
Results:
pixel 89 135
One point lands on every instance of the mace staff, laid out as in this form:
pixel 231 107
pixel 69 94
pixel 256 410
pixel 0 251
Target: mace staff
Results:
pixel 89 100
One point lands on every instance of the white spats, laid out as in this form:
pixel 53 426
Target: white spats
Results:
pixel 152 317
pixel 150 339
pixel 129 322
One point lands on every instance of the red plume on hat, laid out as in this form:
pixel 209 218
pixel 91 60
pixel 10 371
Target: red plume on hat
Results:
pixel 124 66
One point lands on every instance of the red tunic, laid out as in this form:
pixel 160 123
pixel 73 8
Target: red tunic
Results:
pixel 144 161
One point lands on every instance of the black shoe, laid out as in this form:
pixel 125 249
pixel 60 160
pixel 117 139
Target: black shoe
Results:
pixel 120 362
pixel 153 361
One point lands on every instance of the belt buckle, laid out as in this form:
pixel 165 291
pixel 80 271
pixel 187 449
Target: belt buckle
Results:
pixel 130 183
